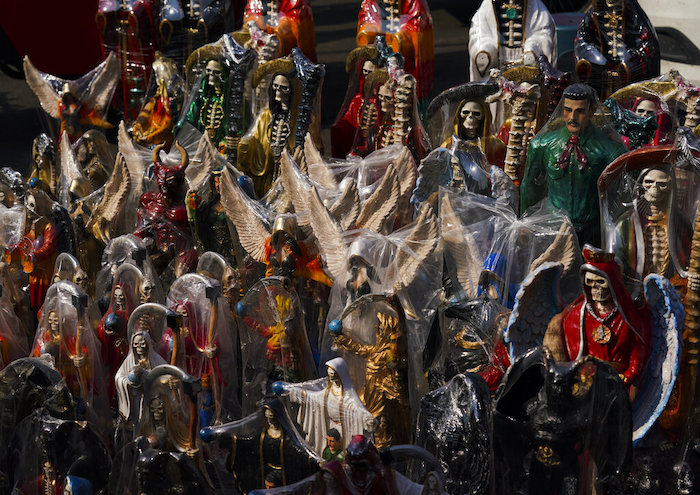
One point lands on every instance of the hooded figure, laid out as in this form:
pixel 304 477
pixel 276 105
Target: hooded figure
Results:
pixel 472 125
pixel 327 403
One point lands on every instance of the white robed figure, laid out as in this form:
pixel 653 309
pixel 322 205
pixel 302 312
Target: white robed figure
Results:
pixel 329 402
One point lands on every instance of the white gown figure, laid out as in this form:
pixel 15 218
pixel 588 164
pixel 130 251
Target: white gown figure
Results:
pixel 132 374
pixel 330 402
pixel 513 38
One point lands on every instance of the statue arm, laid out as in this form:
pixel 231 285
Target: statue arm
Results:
pixel 356 348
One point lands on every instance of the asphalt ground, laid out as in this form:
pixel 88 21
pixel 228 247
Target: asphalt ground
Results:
pixel 21 117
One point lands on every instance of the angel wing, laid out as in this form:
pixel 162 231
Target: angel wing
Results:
pixel 461 251
pixel 503 188
pixel 116 191
pixel 250 224
pixel 433 172
pixel 656 383
pixel 296 187
pixel 318 170
pixel 205 160
pixel 104 79
pixel 70 171
pixel 382 203
pixel 563 249
pixel 48 94
pixel 407 172
pixel 328 231
pixel 421 243
pixel 536 303
pixel 346 208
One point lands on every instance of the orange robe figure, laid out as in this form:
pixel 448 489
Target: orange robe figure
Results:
pixel 291 20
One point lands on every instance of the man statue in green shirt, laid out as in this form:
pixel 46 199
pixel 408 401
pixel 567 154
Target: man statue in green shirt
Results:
pixel 334 450
pixel 566 160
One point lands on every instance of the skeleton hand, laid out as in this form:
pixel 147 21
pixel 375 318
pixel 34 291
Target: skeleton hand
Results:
pixel 694 282
pixel 79 360
pixel 210 351
pixel 529 59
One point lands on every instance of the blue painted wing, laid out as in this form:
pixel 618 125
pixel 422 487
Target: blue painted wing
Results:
pixel 536 303
pixel 661 370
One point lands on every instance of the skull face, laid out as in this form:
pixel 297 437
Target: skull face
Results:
pixel 270 417
pixel 119 298
pixel 281 88
pixel 140 346
pixel 146 290
pixel 471 116
pixel 656 185
pixel 30 204
pixel 386 99
pixel 646 108
pixel 158 410
pixel 53 322
pixel 214 72
pixel 367 68
pixel 599 287
pixel 80 279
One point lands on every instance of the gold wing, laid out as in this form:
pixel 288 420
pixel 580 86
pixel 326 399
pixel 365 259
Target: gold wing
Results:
pixel 330 235
pixel 346 208
pixel 461 250
pixel 48 96
pixel 116 192
pixel 240 209
pixel 420 244
pixel 382 203
pixel 562 250
pixel 318 169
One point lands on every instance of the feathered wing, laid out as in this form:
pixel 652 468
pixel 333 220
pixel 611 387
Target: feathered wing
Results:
pixel 205 160
pixel 656 383
pixel 326 228
pixel 104 79
pixel 135 160
pixel 47 94
pixel 461 251
pixel 116 192
pixel 296 187
pixel 407 172
pixel 249 223
pixel 318 170
pixel 419 244
pixel 503 188
pixel 536 303
pixel 563 249
pixel 346 208
pixel 70 171
pixel 381 204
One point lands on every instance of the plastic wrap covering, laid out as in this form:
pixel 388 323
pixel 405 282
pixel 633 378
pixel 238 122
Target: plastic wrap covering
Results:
pixel 274 342
pixel 291 21
pixel 566 157
pixel 471 334
pixel 146 327
pixel 27 385
pixel 51 453
pixel 293 85
pixel 326 404
pixel 616 45
pixel 126 249
pixel 504 35
pixel 188 24
pixel 162 105
pixel 128 31
pixel 95 157
pixel 264 447
pixel 359 64
pixel 65 334
pixel 67 267
pixel 205 344
pixel 455 423
pixel 648 207
pixel 552 423
pixel 12 221
pixel 220 104
pixel 78 104
pixel 460 118
pixel 72 183
pixel 14 338
pixel 408 28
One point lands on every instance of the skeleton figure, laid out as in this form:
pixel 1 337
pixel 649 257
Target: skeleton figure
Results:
pixel 507 33
pixel 290 21
pixel 43 167
pixel 95 158
pixel 272 132
pixel 616 45
pixel 208 110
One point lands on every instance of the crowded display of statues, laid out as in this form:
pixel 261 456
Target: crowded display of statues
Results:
pixel 493 290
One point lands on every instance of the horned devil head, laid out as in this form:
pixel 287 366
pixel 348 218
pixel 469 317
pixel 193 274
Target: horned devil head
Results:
pixel 170 179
